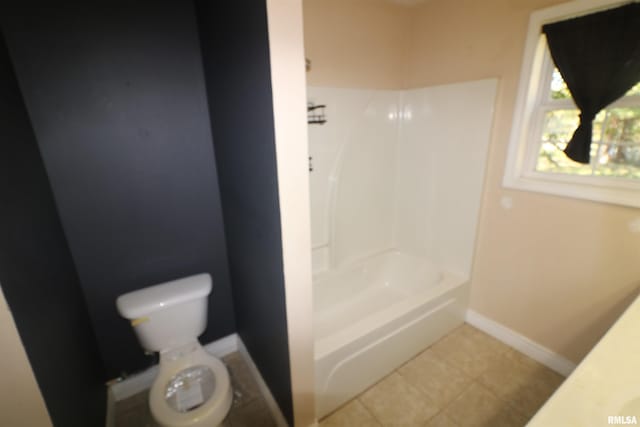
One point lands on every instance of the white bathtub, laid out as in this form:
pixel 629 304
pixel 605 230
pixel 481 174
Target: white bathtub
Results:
pixel 373 316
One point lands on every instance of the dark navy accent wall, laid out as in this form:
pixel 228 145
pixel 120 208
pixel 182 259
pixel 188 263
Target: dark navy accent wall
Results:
pixel 118 103
pixel 37 274
pixel 235 53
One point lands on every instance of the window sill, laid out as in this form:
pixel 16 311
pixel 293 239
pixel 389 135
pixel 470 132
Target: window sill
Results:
pixel 568 186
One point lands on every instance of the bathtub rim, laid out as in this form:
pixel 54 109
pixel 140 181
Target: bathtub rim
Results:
pixel 369 324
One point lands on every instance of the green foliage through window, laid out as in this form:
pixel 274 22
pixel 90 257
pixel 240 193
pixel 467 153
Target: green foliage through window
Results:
pixel 615 151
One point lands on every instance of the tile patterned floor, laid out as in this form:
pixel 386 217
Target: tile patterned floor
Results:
pixel 249 408
pixel 467 379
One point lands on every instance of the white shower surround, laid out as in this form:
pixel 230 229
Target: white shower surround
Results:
pixel 395 196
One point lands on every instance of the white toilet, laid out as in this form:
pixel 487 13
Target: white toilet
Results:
pixel 192 388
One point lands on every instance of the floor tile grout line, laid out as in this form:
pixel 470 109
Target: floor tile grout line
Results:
pixel 473 379
pixel 366 408
pixel 506 402
pixel 450 365
pixel 418 389
pixel 455 396
pixel 441 412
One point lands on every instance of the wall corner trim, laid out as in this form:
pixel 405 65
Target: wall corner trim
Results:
pixel 288 85
pixel 521 343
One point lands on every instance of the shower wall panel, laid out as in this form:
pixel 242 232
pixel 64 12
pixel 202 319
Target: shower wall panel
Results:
pixel 399 169
pixel 441 159
pixel 353 171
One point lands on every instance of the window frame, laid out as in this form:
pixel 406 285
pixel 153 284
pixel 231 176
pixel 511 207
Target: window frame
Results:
pixel 535 78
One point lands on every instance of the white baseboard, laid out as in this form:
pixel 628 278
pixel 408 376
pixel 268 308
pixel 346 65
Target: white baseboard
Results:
pixel 133 384
pixel 223 346
pixel 264 389
pixel 136 383
pixel 110 416
pixel 521 343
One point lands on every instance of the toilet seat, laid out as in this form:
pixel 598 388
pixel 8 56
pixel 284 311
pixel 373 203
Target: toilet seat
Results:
pixel 208 414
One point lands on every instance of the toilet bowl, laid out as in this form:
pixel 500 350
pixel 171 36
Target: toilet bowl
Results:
pixel 192 388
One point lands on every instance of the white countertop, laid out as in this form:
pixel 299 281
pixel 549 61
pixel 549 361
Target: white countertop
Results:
pixel 606 383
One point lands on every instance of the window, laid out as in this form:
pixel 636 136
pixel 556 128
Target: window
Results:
pixel 615 150
pixel 546 117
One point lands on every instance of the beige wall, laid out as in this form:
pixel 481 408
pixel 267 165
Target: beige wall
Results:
pixel 556 270
pixel 367 38
pixel 21 403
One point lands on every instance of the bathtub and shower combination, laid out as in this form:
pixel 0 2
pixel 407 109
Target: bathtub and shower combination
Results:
pixel 395 198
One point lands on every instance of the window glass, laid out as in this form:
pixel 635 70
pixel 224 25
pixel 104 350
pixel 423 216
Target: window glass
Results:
pixel 558 89
pixel 615 151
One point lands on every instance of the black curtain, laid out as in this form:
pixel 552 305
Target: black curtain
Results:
pixel 598 56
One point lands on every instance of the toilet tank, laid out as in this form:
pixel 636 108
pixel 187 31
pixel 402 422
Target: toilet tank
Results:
pixel 170 314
